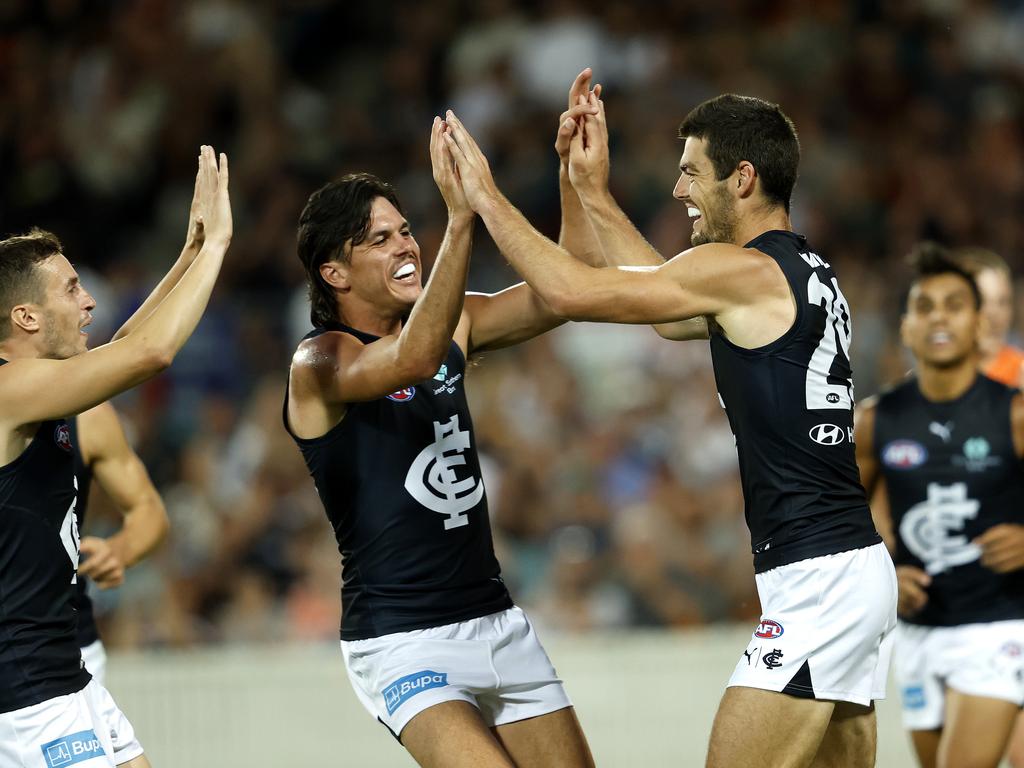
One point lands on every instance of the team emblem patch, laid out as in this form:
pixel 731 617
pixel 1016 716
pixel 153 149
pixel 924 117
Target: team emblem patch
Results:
pixel 62 437
pixel 904 454
pixel 913 697
pixel 403 395
pixel 404 688
pixel 768 630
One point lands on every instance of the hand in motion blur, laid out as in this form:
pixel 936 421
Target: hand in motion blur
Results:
pixel 1002 547
pixel 101 563
pixel 913 588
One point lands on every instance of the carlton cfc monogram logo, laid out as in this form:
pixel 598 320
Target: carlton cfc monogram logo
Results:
pixel 431 479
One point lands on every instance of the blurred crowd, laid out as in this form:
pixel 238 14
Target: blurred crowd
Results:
pixel 610 467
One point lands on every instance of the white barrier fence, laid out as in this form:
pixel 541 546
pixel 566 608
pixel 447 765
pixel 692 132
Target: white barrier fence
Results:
pixel 644 700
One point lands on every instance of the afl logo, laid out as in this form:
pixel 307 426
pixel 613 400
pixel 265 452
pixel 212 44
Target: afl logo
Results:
pixel 904 454
pixel 403 395
pixel 768 630
pixel 62 437
pixel 832 397
pixel 827 434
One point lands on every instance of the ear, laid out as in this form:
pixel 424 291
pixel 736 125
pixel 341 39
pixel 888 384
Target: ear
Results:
pixel 904 337
pixel 745 177
pixel 28 317
pixel 335 274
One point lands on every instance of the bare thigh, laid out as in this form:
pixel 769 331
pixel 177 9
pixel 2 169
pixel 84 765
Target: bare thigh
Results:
pixel 138 762
pixel 554 740
pixel 851 738
pixel 767 729
pixel 1015 754
pixel 976 731
pixel 453 735
pixel 926 745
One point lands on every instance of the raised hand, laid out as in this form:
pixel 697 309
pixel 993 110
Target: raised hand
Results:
pixel 588 150
pixel 211 196
pixel 446 175
pixel 473 168
pixel 196 233
pixel 579 104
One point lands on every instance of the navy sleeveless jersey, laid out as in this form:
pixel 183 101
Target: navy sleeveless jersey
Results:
pixel 400 481
pixel 790 406
pixel 951 473
pixel 87 631
pixel 39 653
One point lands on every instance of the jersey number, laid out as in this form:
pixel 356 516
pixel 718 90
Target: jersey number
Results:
pixel 829 380
pixel 69 535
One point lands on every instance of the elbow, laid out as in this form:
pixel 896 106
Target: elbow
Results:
pixel 420 367
pixel 157 360
pixel 564 303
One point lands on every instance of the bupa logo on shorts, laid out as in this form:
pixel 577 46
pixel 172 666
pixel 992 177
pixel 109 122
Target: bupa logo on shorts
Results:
pixel 403 395
pixel 72 749
pixel 62 437
pixel 827 434
pixel 768 630
pixel 404 688
pixel 913 697
pixel 904 454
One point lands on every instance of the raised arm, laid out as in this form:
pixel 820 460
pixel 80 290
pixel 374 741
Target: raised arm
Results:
pixel 576 235
pixel 335 368
pixel 38 389
pixel 621 242
pixel 194 238
pixel 703 281
pixel 123 476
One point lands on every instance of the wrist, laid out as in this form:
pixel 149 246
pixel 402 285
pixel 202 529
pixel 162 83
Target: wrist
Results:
pixel 460 217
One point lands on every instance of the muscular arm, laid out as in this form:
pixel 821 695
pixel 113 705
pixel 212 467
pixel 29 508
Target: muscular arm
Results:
pixel 122 475
pixel 1002 545
pixel 38 389
pixel 870 472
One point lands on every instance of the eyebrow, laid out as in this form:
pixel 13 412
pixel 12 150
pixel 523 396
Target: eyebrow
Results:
pixel 374 234
pixel 687 167
pixel 71 281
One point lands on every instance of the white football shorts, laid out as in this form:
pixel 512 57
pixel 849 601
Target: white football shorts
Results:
pixel 83 727
pixel 826 629
pixel 495 662
pixel 94 656
pixel 976 659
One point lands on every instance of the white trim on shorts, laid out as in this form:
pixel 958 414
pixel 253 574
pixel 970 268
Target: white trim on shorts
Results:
pixel 984 659
pixel 495 663
pixel 826 628
pixel 52 733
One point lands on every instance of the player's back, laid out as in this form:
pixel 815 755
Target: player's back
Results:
pixel 401 484
pixel 39 653
pixel 951 472
pixel 790 406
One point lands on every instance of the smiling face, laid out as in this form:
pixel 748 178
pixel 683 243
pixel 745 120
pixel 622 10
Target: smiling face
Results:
pixel 940 326
pixel 384 270
pixel 708 201
pixel 65 311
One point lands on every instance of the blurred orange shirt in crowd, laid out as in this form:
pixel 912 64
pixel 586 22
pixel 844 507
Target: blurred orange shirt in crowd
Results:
pixel 1007 366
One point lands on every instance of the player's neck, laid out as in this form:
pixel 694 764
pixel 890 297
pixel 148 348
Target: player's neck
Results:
pixel 370 320
pixel 944 384
pixel 14 348
pixel 757 223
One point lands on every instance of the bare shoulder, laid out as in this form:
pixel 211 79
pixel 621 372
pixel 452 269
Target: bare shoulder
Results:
pixel 322 355
pixel 726 261
pixel 1017 422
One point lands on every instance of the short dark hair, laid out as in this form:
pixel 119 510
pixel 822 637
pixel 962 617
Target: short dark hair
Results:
pixel 739 128
pixel 20 281
pixel 336 215
pixel 928 259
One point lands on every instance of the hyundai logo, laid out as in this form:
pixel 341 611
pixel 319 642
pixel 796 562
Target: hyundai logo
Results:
pixel 826 434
